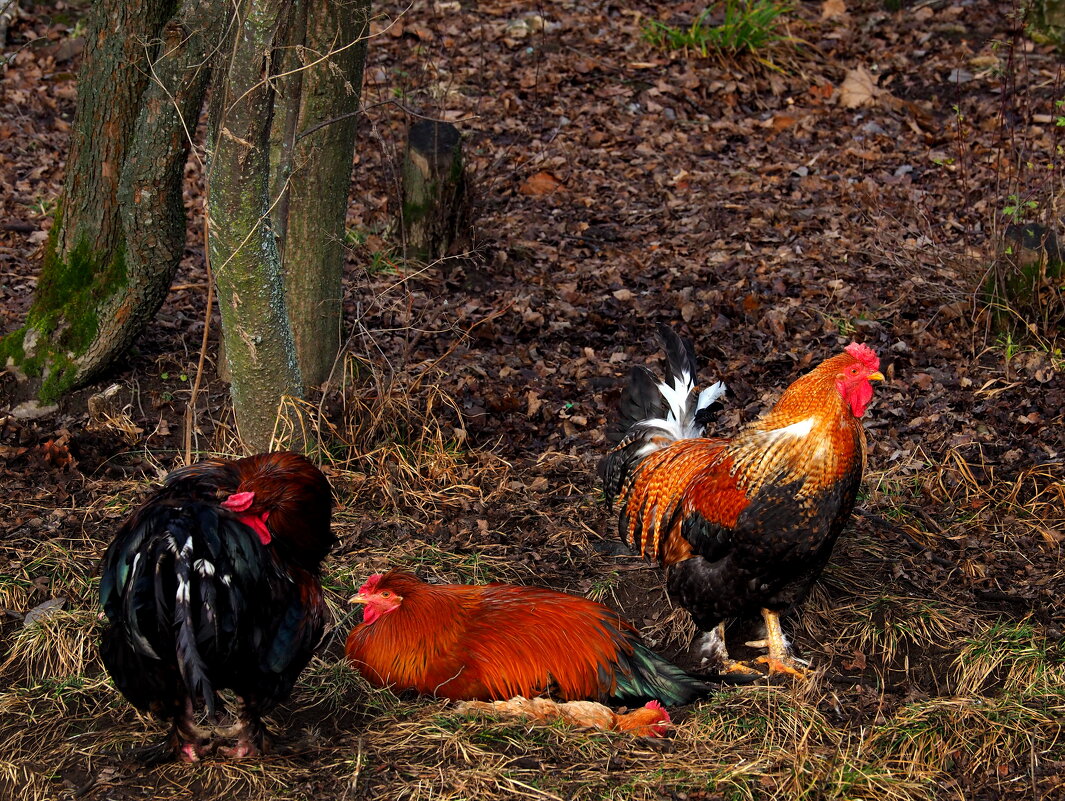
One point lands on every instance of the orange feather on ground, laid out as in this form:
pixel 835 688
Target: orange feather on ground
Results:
pixel 497 641
pixel 650 720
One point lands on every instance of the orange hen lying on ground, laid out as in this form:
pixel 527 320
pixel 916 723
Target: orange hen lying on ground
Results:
pixel 744 524
pixel 497 641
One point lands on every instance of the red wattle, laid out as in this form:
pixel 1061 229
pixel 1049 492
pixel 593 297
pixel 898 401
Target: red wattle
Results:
pixel 257 523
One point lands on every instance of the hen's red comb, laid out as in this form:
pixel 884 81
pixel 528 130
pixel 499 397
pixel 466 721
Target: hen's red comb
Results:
pixel 657 705
pixel 370 584
pixel 864 354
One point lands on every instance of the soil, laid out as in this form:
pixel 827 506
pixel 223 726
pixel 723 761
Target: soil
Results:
pixel 771 208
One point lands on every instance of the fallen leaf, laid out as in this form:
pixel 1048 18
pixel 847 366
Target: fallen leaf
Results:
pixel 857 663
pixel 534 403
pixel 780 122
pixel 923 381
pixel 831 9
pixel 819 93
pixel 541 183
pixel 56 452
pixel 859 89
pixel 42 612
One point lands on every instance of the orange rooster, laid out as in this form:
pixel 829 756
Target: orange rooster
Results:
pixel 213 583
pixel 748 523
pixel 496 641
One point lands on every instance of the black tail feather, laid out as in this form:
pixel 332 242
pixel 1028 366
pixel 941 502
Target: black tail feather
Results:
pixel 680 353
pixel 190 663
pixel 654 413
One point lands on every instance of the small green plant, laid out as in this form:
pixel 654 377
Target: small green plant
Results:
pixel 745 26
pixel 381 264
pixel 1009 346
pixel 381 261
pixel 45 207
pixel 844 325
pixel 1016 209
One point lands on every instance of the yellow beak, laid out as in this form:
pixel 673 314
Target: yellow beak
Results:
pixel 877 376
pixel 358 599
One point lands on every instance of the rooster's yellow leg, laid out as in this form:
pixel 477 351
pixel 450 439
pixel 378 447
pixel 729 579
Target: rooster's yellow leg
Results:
pixel 779 659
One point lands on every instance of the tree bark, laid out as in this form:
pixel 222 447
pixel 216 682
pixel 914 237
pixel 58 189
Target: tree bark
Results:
pixel 114 75
pixel 320 180
pixel 259 345
pixel 119 235
pixel 150 190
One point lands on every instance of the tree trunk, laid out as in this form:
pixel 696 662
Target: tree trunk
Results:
pixel 150 191
pixel 317 197
pixel 244 254
pixel 120 231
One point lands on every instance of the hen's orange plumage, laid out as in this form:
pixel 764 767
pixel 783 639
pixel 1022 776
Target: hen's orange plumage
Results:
pixel 497 641
pixel 746 523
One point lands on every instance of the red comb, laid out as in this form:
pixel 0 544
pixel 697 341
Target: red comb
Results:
pixel 239 501
pixel 864 354
pixel 657 705
pixel 370 584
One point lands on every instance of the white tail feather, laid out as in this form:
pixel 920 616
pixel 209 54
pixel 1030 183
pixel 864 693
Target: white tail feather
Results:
pixel 679 422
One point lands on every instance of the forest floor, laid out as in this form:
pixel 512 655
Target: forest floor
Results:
pixel 772 212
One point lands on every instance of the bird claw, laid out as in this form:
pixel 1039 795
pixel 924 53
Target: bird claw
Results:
pixel 192 752
pixel 242 749
pixel 789 665
pixel 734 672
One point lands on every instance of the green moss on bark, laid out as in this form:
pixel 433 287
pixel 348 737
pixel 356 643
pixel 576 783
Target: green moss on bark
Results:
pixel 70 291
pixel 65 316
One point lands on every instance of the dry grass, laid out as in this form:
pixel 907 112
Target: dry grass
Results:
pixel 399 446
pixel 954 697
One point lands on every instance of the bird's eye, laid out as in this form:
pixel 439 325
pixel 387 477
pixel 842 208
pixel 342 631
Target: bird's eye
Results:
pixel 854 371
pixel 386 594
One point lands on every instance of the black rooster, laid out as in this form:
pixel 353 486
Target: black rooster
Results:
pixel 213 583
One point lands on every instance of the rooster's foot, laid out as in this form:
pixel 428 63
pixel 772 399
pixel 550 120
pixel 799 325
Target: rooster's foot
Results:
pixel 787 665
pixel 189 752
pixel 242 749
pixel 732 671
pixel 190 743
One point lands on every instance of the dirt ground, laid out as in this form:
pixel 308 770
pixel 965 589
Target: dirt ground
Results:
pixel 854 184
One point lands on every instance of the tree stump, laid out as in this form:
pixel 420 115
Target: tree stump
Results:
pixel 434 215
pixel 1046 22
pixel 1024 289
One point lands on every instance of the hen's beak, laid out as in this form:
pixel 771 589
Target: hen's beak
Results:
pixel 358 599
pixel 877 376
